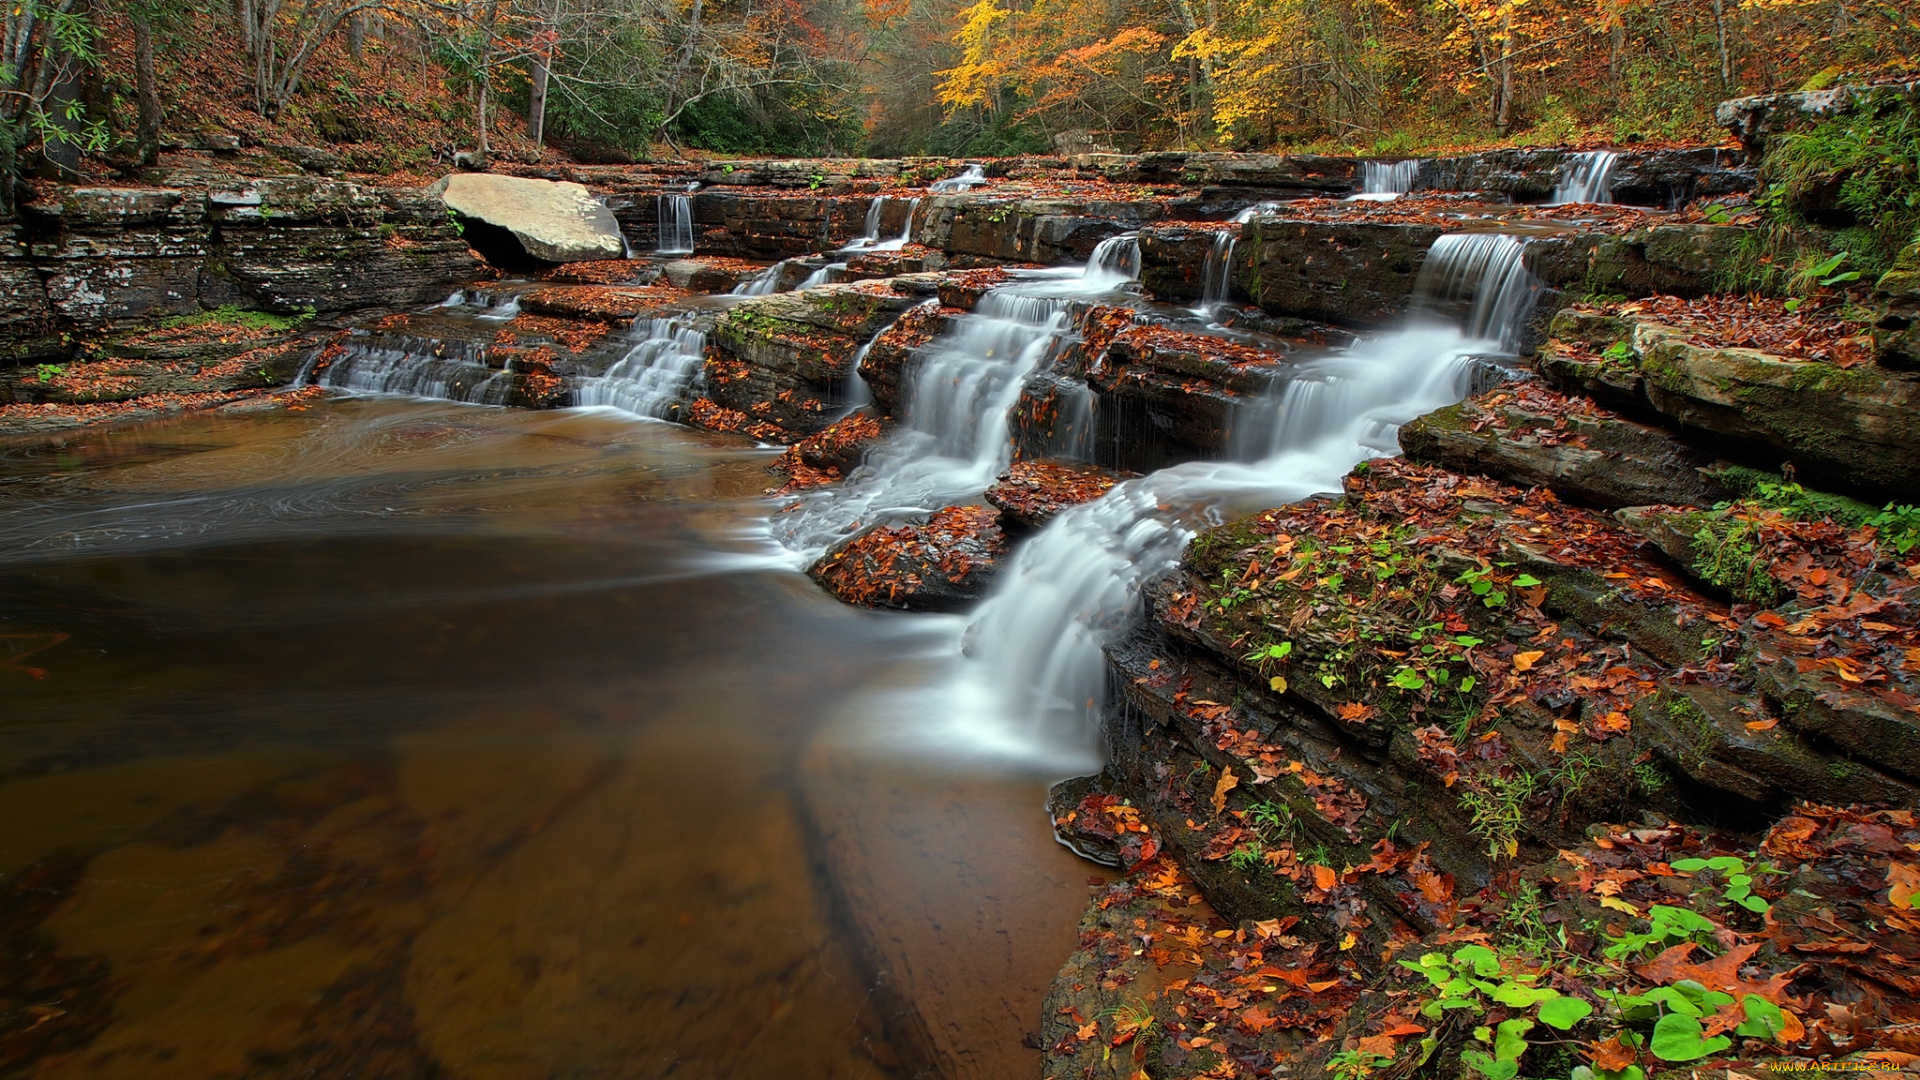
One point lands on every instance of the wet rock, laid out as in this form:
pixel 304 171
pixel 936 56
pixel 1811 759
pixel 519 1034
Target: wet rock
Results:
pixel 768 225
pixel 1173 259
pixel 1854 427
pixel 894 349
pixel 942 562
pixel 1352 274
pixel 912 259
pixel 1754 119
pixel 600 304
pixel 1274 172
pixel 787 359
pixel 1015 229
pixel 1030 493
pixel 832 453
pixel 708 275
pixel 1533 437
pixel 1167 396
pixel 548 220
pixel 1640 177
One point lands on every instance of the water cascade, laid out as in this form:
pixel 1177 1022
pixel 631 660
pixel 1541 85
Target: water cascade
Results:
pixel 1216 274
pixel 765 283
pixel 654 376
pixel 956 396
pixel 869 239
pixel 1034 679
pixel 674 215
pixel 1479 281
pixel 1384 180
pixel 1586 178
pixel 417 367
pixel 970 177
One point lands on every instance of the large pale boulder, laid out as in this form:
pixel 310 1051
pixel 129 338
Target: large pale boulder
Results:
pixel 552 220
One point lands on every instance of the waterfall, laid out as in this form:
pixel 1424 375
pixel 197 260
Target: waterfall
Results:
pixel 765 283
pixel 971 176
pixel 870 239
pixel 654 376
pixel 906 231
pixel 417 367
pixel 674 217
pixel 1384 180
pixel 1480 281
pixel 1115 260
pixel 1033 680
pixel 826 275
pixel 1586 178
pixel 874 209
pixel 956 397
pixel 1216 274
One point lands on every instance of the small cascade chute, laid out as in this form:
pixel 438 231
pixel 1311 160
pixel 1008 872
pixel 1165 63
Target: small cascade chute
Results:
pixel 1480 281
pixel 674 217
pixel 414 367
pixel 1115 260
pixel 970 177
pixel 1586 178
pixel 1381 181
pixel 654 376
pixel 765 283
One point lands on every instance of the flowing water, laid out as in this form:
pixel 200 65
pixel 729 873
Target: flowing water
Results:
pixel 407 738
pixel 970 177
pixel 395 738
pixel 1382 181
pixel 674 217
pixel 1586 178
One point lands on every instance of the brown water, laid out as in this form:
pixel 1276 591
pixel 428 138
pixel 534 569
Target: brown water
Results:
pixel 402 739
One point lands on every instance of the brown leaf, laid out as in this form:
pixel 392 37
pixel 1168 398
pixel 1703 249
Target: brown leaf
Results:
pixel 1227 783
pixel 1525 661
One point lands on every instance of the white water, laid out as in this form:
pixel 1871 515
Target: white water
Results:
pixel 1587 178
pixel 1033 682
pixel 953 437
pixel 674 217
pixel 765 283
pixel 654 376
pixel 1480 282
pixel 970 177
pixel 450 371
pixel 1381 181
pixel 1216 274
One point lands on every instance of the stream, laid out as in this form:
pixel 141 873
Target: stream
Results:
pixel 401 737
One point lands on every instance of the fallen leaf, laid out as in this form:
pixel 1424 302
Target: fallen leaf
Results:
pixel 1324 878
pixel 1525 661
pixel 1227 783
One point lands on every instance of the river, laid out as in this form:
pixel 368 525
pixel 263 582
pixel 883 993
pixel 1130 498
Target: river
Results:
pixel 406 738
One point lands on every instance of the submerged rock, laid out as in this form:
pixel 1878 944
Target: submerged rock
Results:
pixel 1030 493
pixel 547 220
pixel 942 562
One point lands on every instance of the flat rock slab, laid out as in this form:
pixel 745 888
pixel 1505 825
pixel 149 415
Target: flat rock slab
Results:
pixel 553 220
pixel 941 563
pixel 1032 492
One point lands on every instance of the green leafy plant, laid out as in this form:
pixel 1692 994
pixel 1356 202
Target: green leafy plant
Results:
pixel 1667 925
pixel 1497 806
pixel 49 372
pixel 1898 526
pixel 1739 888
pixel 1356 1064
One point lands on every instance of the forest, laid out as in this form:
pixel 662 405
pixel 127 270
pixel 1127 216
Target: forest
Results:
pixel 405 82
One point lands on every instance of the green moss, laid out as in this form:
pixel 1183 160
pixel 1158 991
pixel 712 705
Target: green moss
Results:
pixel 234 315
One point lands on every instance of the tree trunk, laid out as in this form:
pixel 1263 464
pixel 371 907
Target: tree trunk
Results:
pixel 243 15
pixel 61 150
pixel 357 35
pixel 1503 116
pixel 673 104
pixel 537 102
pixel 1720 31
pixel 146 89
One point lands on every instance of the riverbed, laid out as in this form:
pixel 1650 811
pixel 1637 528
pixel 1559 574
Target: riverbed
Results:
pixel 389 737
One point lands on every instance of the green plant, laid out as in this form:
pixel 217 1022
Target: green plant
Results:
pixel 1356 1064
pixel 1619 352
pixel 1497 806
pixel 1727 554
pixel 49 372
pixel 1739 889
pixel 1247 857
pixel 1666 925
pixel 1898 527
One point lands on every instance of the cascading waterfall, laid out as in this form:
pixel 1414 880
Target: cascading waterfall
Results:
pixel 418 367
pixel 674 215
pixel 956 398
pixel 1034 679
pixel 765 283
pixel 1384 180
pixel 1481 282
pixel 1216 274
pixel 970 177
pixel 1587 178
pixel 654 376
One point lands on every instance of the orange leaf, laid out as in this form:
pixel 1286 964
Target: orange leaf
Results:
pixel 1763 725
pixel 1324 878
pixel 1612 1055
pixel 1525 661
pixel 1378 1044
pixel 1227 783
pixel 1904 882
